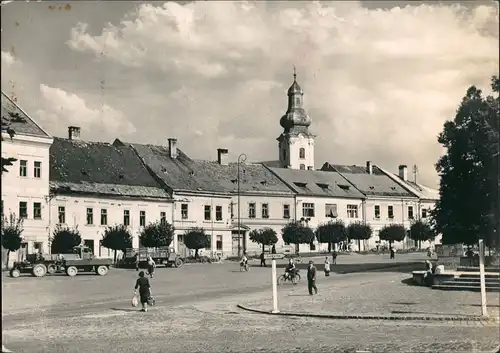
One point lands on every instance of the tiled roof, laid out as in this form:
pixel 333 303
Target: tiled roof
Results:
pixel 101 168
pixel 18 120
pixel 375 184
pixel 174 172
pixel 424 192
pixel 253 177
pixel 317 183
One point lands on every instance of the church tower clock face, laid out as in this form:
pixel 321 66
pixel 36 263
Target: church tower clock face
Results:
pixel 296 143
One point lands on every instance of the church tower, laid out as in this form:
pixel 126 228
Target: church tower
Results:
pixel 296 143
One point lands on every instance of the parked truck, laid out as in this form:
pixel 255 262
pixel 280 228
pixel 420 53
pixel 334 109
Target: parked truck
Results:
pixel 80 260
pixel 161 256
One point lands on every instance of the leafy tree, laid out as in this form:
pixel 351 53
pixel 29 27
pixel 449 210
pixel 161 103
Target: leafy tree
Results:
pixel 116 238
pixel 468 171
pixel 392 233
pixel 265 236
pixel 158 234
pixel 297 233
pixel 421 231
pixel 12 229
pixel 64 239
pixel 359 231
pixel 196 238
pixel 8 161
pixel 331 232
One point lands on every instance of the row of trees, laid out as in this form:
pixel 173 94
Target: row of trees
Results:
pixel 160 234
pixel 116 237
pixel 335 232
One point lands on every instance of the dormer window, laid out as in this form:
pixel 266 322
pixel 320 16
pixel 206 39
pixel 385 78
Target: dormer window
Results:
pixel 300 185
pixel 344 187
pixel 323 186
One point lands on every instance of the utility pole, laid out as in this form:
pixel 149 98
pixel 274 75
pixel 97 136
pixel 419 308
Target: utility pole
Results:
pixel 241 159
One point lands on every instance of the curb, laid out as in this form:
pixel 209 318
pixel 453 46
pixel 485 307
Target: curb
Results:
pixel 373 317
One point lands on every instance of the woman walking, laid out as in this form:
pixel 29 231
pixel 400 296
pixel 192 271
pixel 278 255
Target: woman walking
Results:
pixel 144 290
pixel 327 267
pixel 151 266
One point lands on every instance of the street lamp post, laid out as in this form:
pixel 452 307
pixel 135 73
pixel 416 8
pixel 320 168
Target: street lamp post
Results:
pixel 241 159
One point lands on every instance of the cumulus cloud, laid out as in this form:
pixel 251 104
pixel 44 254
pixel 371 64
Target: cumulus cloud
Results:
pixel 378 83
pixel 64 109
pixel 7 59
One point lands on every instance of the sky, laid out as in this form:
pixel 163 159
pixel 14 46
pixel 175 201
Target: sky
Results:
pixel 379 78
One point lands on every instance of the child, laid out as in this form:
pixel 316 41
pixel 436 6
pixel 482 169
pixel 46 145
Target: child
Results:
pixel 327 267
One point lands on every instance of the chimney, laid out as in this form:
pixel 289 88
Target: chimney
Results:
pixel 369 167
pixel 172 147
pixel 73 132
pixel 403 172
pixel 222 156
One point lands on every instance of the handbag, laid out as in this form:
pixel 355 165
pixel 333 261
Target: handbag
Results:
pixel 151 301
pixel 135 301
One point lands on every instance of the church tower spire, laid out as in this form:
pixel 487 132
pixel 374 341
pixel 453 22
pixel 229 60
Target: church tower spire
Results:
pixel 296 143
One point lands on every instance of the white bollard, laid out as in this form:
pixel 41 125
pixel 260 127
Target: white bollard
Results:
pixel 275 287
pixel 482 278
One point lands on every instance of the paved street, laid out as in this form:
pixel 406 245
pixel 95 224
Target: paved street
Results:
pixel 196 311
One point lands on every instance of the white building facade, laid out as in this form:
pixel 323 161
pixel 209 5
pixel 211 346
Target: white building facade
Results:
pixel 25 185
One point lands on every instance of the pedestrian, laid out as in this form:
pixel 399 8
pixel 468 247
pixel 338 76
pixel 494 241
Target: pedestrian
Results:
pixel 327 267
pixel 151 266
pixel 142 284
pixel 136 259
pixel 273 250
pixel 392 252
pixel 334 257
pixel 311 278
pixel 262 260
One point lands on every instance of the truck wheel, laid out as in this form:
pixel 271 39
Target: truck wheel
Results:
pixel 101 270
pixel 39 270
pixel 71 271
pixel 178 262
pixel 51 269
pixel 14 273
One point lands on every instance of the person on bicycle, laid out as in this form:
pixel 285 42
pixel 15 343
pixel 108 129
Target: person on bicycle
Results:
pixel 290 268
pixel 244 260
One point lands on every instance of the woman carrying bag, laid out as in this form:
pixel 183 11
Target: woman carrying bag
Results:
pixel 142 284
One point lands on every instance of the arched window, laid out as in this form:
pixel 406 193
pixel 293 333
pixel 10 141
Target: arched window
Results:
pixel 302 153
pixel 303 167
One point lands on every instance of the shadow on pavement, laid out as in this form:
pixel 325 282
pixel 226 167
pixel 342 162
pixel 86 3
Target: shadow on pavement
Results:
pixel 409 282
pixel 404 303
pixel 430 313
pixel 399 267
pixel 126 310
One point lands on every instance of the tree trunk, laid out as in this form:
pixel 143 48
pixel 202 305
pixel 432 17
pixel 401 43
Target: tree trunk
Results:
pixel 7 262
pixel 114 260
pixel 196 254
pixel 359 245
pixel 329 246
pixel 263 248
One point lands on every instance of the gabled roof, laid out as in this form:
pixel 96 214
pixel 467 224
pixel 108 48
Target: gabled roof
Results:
pixel 174 172
pixel 18 120
pixel 254 178
pixel 375 184
pixel 100 168
pixel 317 183
pixel 421 191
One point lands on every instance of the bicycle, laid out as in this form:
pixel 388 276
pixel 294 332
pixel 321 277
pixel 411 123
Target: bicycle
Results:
pixel 290 278
pixel 244 267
